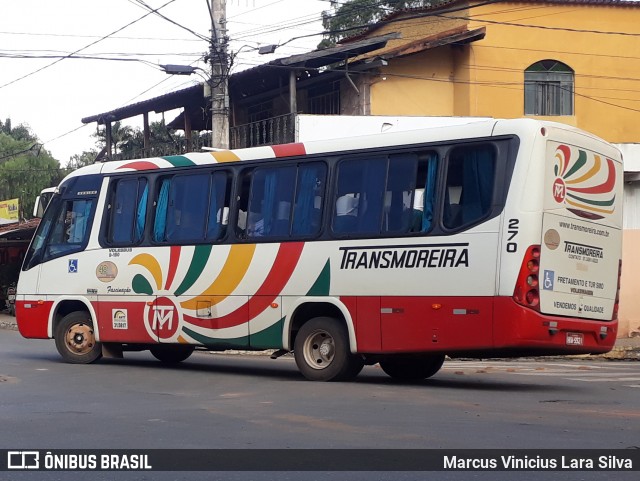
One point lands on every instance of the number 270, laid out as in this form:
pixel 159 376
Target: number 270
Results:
pixel 512 232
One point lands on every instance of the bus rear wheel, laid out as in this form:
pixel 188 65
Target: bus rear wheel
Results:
pixel 412 367
pixel 76 340
pixel 322 353
pixel 171 353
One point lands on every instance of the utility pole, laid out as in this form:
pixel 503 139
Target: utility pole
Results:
pixel 219 76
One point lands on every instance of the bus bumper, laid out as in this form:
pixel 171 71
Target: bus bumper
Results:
pixel 517 327
pixel 33 318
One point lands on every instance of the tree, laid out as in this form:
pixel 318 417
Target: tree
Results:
pixel 87 157
pixel 354 16
pixel 120 135
pixel 25 167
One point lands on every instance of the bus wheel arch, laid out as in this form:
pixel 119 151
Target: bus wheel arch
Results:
pixel 75 337
pixel 322 344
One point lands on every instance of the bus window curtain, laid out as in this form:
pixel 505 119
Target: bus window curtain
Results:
pixel 303 210
pixel 477 183
pixel 371 199
pixel 161 212
pixel 216 193
pixel 141 213
pixel 268 206
pixel 429 192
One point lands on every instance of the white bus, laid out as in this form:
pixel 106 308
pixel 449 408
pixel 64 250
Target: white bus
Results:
pixel 496 238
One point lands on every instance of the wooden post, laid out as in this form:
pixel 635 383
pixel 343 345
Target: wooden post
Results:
pixel 147 134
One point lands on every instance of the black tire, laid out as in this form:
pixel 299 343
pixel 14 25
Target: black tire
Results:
pixel 322 352
pixel 171 353
pixel 412 367
pixel 75 339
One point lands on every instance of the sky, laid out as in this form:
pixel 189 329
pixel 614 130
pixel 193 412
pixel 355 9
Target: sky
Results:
pixel 53 101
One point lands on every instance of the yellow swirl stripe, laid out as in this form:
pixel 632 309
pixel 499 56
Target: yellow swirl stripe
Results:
pixel 560 159
pixel 593 171
pixel 588 207
pixel 151 264
pixel 225 156
pixel 233 271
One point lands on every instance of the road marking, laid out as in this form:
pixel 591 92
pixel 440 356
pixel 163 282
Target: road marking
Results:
pixel 586 372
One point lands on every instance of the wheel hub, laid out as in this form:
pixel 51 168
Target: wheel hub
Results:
pixel 319 350
pixel 326 349
pixel 80 339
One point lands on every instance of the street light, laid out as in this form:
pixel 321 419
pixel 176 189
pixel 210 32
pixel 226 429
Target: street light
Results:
pixel 172 69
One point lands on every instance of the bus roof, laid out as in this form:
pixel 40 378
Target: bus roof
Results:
pixel 470 130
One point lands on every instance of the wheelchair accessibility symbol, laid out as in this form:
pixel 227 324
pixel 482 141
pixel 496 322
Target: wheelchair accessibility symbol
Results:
pixel 547 283
pixel 73 266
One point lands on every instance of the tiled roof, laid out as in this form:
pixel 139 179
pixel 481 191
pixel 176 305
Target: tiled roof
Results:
pixel 451 4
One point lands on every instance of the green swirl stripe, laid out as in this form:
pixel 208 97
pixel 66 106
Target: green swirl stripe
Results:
pixel 198 262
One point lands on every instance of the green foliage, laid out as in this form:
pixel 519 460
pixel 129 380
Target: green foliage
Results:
pixel 129 142
pixel 26 168
pixel 352 17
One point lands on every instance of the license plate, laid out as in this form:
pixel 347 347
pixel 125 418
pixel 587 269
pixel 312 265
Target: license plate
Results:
pixel 575 339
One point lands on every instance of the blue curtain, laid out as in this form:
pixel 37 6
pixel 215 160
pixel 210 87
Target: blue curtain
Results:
pixel 269 203
pixel 429 195
pixel 477 183
pixel 141 213
pixel 161 212
pixel 303 212
pixel 216 205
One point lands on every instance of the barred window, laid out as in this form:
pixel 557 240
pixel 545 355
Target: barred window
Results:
pixel 548 88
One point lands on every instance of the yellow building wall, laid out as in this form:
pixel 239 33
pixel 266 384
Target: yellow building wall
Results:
pixel 486 77
pixel 606 66
pixel 400 90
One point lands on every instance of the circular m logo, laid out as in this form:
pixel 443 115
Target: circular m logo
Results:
pixel 163 318
pixel 559 190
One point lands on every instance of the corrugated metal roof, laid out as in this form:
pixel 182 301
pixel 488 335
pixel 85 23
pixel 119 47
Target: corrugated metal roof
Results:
pixel 268 74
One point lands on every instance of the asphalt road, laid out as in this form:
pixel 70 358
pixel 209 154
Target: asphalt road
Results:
pixel 215 401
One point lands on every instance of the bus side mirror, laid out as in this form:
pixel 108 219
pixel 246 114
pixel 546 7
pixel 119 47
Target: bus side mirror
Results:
pixel 37 208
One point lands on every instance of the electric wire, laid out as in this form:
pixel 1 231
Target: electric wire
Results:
pixel 81 49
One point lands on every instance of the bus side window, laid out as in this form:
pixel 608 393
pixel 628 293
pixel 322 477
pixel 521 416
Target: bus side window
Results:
pixel 219 197
pixel 469 187
pixel 271 197
pixel 360 196
pixel 398 213
pixel 309 199
pixel 126 225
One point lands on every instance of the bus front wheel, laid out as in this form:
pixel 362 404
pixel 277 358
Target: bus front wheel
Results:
pixel 322 353
pixel 76 340
pixel 170 353
pixel 412 367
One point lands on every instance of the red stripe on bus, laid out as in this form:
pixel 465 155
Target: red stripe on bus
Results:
pixel 289 150
pixel 174 259
pixel 280 273
pixel 139 165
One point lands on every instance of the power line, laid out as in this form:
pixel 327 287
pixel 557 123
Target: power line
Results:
pixel 113 37
pixel 83 48
pixel 156 12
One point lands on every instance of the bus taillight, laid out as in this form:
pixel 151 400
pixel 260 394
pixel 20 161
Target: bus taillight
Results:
pixel 526 292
